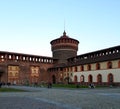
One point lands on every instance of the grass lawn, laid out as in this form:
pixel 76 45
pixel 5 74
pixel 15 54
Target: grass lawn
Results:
pixel 68 86
pixel 75 86
pixel 2 89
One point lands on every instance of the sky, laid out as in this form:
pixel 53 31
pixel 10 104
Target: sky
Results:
pixel 28 26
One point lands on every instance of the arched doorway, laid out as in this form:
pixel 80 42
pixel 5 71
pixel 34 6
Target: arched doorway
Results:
pixel 110 78
pixel 1 73
pixel 53 79
pixel 75 79
pixel 90 79
pixel 82 78
pixel 67 79
pixel 99 78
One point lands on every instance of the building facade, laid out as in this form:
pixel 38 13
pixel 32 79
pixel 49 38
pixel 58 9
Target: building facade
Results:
pixel 17 68
pixel 100 67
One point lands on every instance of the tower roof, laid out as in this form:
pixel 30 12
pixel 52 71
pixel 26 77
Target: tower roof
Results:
pixel 64 35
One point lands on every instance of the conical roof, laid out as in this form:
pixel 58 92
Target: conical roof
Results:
pixel 64 35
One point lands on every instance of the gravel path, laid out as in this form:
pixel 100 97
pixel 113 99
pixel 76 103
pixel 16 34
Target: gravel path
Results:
pixel 43 98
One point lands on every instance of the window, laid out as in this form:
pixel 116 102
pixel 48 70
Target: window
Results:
pixel 97 66
pixel 36 59
pixel 41 60
pixel 16 74
pixel 9 73
pixel 89 67
pixel 75 68
pixel 10 57
pixel 17 57
pixel 33 59
pixel 2 56
pixel 82 68
pixel 30 59
pixel 109 65
pixel 23 58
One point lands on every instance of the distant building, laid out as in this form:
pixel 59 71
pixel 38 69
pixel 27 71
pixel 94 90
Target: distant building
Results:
pixel 100 67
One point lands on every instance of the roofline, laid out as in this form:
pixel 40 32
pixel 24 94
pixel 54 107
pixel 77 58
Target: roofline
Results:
pixel 16 53
pixel 64 38
pixel 97 51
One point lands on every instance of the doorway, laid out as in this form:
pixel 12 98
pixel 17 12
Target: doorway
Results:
pixel 90 78
pixel 53 79
pixel 1 76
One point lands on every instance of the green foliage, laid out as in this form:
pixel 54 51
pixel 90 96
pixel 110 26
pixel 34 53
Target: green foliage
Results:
pixel 68 86
pixel 10 90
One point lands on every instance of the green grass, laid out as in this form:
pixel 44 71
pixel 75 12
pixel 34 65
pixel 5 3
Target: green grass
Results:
pixel 75 86
pixel 67 86
pixel 10 90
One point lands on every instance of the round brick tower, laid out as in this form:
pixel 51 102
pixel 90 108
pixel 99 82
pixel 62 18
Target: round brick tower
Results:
pixel 64 48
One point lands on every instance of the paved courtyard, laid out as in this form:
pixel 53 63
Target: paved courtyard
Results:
pixel 44 98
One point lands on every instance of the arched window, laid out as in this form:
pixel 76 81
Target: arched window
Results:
pixel 75 79
pixel 75 68
pixel 10 74
pixel 90 78
pixel 99 78
pixel 97 66
pixel 110 78
pixel 89 67
pixel 119 64
pixel 109 65
pixel 82 78
pixel 81 68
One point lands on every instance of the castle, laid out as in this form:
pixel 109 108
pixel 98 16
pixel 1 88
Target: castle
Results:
pixel 100 67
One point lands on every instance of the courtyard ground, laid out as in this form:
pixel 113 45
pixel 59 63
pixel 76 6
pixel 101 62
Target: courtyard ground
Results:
pixel 56 98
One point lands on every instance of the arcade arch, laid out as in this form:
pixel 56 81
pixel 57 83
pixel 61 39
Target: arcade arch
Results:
pixel 110 78
pixel 75 78
pixel 90 78
pixel 99 78
pixel 53 79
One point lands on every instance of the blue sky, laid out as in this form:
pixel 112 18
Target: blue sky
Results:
pixel 28 26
